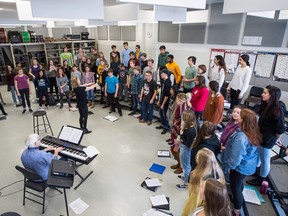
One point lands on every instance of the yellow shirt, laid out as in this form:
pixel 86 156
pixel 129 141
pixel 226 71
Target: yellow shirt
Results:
pixel 99 71
pixel 174 68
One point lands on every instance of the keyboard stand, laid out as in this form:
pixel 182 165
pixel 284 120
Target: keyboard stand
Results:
pixel 81 177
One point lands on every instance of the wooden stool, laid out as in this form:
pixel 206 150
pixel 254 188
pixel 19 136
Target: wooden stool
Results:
pixel 45 123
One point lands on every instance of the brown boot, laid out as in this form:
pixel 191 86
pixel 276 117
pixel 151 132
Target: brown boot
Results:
pixel 178 171
pixel 89 103
pixel 176 166
pixel 92 105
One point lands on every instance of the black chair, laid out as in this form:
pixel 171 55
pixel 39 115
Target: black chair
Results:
pixel 33 182
pixel 254 96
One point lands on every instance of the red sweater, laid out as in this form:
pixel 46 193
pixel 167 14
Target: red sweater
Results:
pixel 199 98
pixel 214 108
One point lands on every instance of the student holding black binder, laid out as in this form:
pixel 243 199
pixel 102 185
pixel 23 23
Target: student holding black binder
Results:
pixel 81 100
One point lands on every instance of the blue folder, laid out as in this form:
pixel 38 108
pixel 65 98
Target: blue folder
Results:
pixel 157 168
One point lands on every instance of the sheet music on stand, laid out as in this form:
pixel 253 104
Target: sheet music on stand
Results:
pixel 264 64
pixel 231 60
pixel 71 134
pixel 252 58
pixel 281 67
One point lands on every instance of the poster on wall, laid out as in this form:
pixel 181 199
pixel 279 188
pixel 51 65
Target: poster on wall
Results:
pixel 264 64
pixel 252 58
pixel 231 60
pixel 215 52
pixel 281 66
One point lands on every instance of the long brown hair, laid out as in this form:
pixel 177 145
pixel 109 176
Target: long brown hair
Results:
pixel 207 129
pixel 58 74
pixel 216 198
pixel 189 119
pixel 250 126
pixel 206 165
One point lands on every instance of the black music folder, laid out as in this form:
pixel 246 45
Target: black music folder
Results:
pixel 144 185
pixel 63 168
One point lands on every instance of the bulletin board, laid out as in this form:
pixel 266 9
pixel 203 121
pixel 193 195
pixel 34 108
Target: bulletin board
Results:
pixel 215 52
pixel 252 58
pixel 281 66
pixel 264 64
pixel 231 59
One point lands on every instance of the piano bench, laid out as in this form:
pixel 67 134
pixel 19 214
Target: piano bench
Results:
pixel 37 126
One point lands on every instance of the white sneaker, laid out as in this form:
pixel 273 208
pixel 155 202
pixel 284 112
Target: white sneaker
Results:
pixel 58 104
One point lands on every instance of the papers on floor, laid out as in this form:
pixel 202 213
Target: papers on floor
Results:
pixel 111 118
pixel 157 212
pixel 159 200
pixel 91 151
pixel 153 182
pixel 250 196
pixel 163 153
pixel 78 206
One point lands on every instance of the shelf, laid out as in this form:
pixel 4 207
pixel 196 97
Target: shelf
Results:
pixel 53 57
pixel 48 50
pixel 36 51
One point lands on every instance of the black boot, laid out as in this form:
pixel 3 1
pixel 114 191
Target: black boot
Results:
pixel 256 181
pixel 2 109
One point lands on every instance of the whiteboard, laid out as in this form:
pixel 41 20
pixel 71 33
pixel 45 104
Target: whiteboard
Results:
pixel 264 64
pixel 281 68
pixel 231 60
pixel 252 58
pixel 215 52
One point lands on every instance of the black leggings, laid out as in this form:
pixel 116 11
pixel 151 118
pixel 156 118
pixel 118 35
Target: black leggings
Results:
pixel 83 111
pixel 42 93
pixel 53 84
pixel 234 98
pixel 25 94
pixel 114 102
pixel 236 184
pixel 67 97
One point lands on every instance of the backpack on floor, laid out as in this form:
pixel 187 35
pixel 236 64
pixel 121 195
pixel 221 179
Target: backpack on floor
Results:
pixel 52 101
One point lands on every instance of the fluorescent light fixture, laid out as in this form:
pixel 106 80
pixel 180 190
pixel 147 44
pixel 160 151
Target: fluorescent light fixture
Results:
pixel 264 14
pixel 200 16
pixel 283 14
pixel 127 23
pixel 197 4
pixel 92 26
pixel 1 9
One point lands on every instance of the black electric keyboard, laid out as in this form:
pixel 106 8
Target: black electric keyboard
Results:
pixel 71 151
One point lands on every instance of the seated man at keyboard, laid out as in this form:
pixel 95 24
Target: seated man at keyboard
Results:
pixel 38 160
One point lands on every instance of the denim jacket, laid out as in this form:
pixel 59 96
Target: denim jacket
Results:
pixel 240 154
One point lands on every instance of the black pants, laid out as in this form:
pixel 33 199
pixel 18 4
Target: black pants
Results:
pixel 53 84
pixel 2 109
pixel 67 97
pixel 25 95
pixel 236 184
pixel 42 93
pixel 83 111
pixel 234 98
pixel 114 102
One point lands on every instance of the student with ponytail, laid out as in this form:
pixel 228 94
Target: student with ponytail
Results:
pixel 240 81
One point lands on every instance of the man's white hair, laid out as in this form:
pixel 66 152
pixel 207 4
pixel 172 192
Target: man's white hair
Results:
pixel 31 140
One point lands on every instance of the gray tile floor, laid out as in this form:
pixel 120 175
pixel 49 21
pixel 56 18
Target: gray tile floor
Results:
pixel 127 149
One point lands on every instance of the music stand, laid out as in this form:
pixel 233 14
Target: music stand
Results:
pixel 61 175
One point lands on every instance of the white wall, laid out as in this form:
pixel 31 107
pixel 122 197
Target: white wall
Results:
pixel 147 38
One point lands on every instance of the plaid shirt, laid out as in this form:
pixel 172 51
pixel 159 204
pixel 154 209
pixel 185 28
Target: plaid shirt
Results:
pixel 137 84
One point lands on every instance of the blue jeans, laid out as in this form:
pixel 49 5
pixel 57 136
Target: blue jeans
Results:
pixel 13 92
pixel 90 95
pixel 147 110
pixel 185 155
pixel 164 121
pixel 136 101
pixel 264 154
